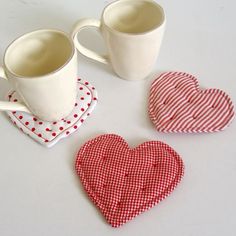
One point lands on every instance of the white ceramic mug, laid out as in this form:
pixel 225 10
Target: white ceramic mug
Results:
pixel 132 31
pixel 42 67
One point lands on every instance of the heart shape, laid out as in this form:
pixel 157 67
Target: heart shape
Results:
pixel 177 104
pixel 49 133
pixel 124 182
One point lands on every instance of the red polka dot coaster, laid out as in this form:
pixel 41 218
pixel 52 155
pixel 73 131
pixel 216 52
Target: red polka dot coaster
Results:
pixel 177 104
pixel 123 182
pixel 49 133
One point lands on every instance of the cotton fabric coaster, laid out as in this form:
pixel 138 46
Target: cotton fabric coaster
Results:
pixel 123 182
pixel 49 133
pixel 178 105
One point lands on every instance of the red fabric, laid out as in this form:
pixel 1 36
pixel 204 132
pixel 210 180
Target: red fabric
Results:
pixel 177 104
pixel 124 182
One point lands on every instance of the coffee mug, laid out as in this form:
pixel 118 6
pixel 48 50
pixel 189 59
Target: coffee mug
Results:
pixel 42 66
pixel 132 31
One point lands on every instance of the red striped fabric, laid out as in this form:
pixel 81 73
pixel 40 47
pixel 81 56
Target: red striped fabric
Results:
pixel 124 182
pixel 177 104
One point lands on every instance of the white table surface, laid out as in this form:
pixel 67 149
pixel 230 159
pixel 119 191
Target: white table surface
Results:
pixel 40 193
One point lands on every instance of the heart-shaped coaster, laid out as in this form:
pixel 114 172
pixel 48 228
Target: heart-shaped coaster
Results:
pixel 123 182
pixel 177 104
pixel 49 133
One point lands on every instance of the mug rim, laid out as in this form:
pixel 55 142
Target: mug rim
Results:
pixel 162 23
pixel 73 51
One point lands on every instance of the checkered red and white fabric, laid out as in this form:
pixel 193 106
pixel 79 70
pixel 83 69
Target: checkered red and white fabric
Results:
pixel 49 133
pixel 124 182
pixel 177 104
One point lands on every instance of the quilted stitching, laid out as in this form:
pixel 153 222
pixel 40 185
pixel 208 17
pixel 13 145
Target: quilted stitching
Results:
pixel 124 182
pixel 177 104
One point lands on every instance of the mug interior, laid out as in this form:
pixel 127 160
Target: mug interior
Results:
pixel 38 53
pixel 133 16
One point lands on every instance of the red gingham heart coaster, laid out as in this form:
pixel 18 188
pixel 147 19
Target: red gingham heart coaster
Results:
pixel 49 133
pixel 177 104
pixel 124 182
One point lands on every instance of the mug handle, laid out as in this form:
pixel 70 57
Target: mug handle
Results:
pixel 11 106
pixel 80 25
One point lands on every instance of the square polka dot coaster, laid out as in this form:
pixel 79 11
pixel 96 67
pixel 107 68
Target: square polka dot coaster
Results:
pixel 178 105
pixel 122 181
pixel 49 133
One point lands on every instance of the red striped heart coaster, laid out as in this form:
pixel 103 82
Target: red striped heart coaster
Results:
pixel 177 104
pixel 49 133
pixel 123 182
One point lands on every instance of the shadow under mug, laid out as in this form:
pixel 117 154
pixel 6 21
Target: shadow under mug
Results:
pixel 132 31
pixel 42 66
